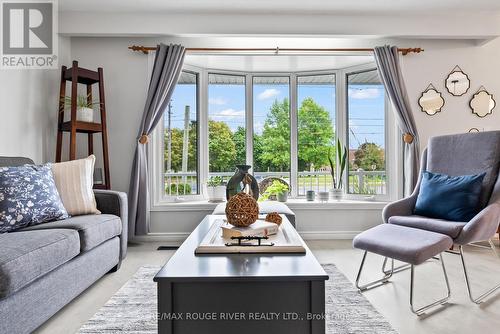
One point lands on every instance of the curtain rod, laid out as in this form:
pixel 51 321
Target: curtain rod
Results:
pixel 146 49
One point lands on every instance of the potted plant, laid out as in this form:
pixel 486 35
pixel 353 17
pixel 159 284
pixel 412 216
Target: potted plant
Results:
pixel 338 165
pixel 84 107
pixel 277 188
pixel 216 189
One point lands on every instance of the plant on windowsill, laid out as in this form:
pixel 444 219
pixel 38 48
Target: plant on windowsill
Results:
pixel 278 189
pixel 216 189
pixel 338 165
pixel 84 107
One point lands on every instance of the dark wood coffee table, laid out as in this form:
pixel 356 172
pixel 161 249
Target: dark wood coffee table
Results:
pixel 240 293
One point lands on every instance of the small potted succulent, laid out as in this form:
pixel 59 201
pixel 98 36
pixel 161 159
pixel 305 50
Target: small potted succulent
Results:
pixel 84 107
pixel 338 165
pixel 278 189
pixel 216 189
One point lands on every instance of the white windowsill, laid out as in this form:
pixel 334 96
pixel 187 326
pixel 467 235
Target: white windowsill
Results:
pixel 294 204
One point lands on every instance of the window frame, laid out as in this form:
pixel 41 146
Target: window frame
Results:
pixel 157 149
pixel 393 148
pixel 393 145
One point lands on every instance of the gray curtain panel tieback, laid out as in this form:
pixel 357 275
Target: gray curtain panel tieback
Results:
pixel 143 139
pixel 166 71
pixel 390 73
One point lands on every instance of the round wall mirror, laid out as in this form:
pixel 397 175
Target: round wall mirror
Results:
pixel 482 103
pixel 431 101
pixel 457 83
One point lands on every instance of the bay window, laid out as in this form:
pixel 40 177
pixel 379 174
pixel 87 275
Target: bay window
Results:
pixel 283 125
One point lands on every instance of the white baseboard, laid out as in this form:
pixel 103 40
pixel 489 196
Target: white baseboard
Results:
pixel 328 235
pixel 170 239
pixel 175 239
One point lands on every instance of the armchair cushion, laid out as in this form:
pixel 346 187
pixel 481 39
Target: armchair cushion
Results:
pixel 454 198
pixel 449 228
pixel 467 154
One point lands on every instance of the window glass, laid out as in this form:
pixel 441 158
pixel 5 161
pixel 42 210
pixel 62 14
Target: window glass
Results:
pixel 271 127
pixel 367 133
pixel 180 138
pixel 316 131
pixel 226 125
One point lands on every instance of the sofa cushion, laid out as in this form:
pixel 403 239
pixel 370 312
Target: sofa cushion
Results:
pixel 28 196
pixel 449 228
pixel 28 255
pixel 74 181
pixel 264 208
pixel 93 229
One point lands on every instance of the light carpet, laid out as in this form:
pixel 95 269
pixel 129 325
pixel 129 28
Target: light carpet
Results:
pixel 133 308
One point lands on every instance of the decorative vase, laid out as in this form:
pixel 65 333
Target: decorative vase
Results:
pixel 323 196
pixel 310 195
pixel 282 197
pixel 236 185
pixel 336 194
pixel 85 115
pixel 216 194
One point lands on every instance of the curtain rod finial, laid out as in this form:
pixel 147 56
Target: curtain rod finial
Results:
pixel 139 48
pixel 404 52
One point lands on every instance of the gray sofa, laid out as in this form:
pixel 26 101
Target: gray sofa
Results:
pixel 44 267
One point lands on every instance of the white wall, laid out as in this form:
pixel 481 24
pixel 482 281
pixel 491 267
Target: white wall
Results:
pixel 482 65
pixel 29 110
pixel 125 83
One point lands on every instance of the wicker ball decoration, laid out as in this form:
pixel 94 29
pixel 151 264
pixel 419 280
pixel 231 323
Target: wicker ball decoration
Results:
pixel 242 210
pixel 274 217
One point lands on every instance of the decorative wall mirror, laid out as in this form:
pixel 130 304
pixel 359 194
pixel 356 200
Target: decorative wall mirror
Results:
pixel 431 101
pixel 457 83
pixel 482 103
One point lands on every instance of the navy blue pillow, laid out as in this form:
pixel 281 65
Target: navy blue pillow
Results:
pixel 447 197
pixel 28 196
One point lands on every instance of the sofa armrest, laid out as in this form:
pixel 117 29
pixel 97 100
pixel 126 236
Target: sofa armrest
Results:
pixel 482 227
pixel 115 203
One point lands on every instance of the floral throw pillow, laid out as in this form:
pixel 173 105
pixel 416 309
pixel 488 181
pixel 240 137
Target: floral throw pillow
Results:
pixel 28 196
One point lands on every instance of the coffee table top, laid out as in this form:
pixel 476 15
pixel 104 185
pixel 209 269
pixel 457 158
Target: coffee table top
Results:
pixel 185 266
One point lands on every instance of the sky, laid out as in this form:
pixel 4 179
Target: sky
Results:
pixel 227 103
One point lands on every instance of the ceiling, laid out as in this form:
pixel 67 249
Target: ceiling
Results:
pixel 284 6
pixel 279 63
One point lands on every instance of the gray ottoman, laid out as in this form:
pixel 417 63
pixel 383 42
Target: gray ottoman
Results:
pixel 264 208
pixel 410 245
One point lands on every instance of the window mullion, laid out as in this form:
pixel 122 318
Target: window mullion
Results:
pixel 293 136
pixel 249 118
pixel 342 130
pixel 203 128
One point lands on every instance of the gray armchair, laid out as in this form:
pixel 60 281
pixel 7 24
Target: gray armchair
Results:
pixel 461 154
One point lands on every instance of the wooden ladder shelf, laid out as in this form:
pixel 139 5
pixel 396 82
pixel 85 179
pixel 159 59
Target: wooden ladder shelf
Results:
pixel 78 75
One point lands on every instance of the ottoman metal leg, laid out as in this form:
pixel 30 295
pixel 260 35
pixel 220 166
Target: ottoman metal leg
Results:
pixel 395 270
pixel 422 309
pixel 381 281
pixel 477 300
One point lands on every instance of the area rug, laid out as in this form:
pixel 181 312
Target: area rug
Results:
pixel 132 309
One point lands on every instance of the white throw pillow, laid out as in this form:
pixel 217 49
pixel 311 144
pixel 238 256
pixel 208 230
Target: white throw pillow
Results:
pixel 74 181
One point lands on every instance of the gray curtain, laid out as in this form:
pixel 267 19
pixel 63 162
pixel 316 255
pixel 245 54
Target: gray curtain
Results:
pixel 166 71
pixel 389 69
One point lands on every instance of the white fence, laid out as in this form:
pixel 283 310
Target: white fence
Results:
pixel 360 181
